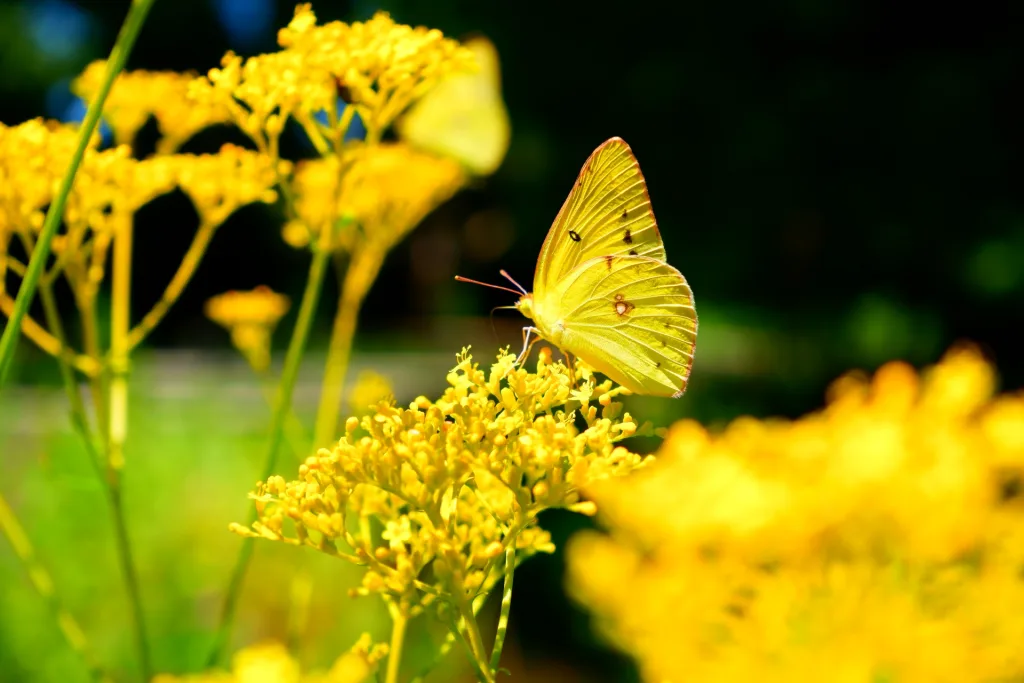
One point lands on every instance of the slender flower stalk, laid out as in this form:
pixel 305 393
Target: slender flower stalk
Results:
pixel 282 407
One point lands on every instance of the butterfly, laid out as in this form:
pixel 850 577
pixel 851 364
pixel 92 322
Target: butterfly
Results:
pixel 603 290
pixel 464 115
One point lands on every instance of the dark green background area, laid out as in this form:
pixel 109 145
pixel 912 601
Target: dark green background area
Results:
pixel 839 181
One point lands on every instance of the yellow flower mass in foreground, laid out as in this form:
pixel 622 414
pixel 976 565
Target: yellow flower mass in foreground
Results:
pixel 452 484
pixel 272 663
pixel 881 539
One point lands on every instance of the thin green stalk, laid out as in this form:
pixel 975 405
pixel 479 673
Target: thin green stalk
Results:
pixel 475 640
pixel 399 623
pixel 186 269
pixel 506 605
pixel 293 358
pixel 128 572
pixel 362 270
pixel 43 583
pixel 118 55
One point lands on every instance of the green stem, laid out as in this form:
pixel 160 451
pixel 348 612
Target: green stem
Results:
pixel 118 55
pixel 293 358
pixel 362 270
pixel 506 605
pixel 131 579
pixel 475 641
pixel 187 268
pixel 43 583
pixel 399 623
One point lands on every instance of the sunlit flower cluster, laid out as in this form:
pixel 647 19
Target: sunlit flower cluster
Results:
pixel 378 66
pixel 250 317
pixel 430 497
pixel 879 539
pixel 138 95
pixel 272 663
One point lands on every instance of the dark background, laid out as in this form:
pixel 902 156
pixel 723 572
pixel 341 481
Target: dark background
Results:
pixel 839 181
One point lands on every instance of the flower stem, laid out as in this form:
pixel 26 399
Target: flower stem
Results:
pixel 399 622
pixel 43 583
pixel 117 401
pixel 125 40
pixel 187 268
pixel 506 605
pixel 476 642
pixel 359 276
pixel 293 358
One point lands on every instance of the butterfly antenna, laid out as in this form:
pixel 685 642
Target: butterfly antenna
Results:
pixel 459 278
pixel 509 278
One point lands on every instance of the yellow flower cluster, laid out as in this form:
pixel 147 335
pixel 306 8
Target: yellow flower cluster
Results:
pixel 138 95
pixel 219 184
pixel 430 497
pixel 380 67
pixel 881 539
pixel 388 189
pixel 109 188
pixel 271 663
pixel 250 317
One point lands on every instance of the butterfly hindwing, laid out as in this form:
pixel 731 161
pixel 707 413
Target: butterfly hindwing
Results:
pixel 607 213
pixel 631 318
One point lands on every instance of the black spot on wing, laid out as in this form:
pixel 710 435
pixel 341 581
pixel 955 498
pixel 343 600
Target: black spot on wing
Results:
pixel 628 239
pixel 574 236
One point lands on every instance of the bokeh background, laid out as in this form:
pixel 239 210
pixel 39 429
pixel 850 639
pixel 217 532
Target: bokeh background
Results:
pixel 840 182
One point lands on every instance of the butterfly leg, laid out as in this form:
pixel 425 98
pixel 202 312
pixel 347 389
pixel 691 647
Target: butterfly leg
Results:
pixel 571 367
pixel 527 345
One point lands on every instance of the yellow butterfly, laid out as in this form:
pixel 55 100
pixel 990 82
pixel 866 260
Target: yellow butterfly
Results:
pixel 602 290
pixel 464 115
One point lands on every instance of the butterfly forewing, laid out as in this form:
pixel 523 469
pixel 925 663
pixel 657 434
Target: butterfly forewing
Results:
pixel 608 213
pixel 631 318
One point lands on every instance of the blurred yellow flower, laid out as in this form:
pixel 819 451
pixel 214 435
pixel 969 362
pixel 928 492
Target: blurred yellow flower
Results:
pixel 464 116
pixel 250 317
pixel 219 184
pixel 370 389
pixel 270 662
pixel 879 539
pixel 387 190
pixel 138 95
pixel 453 483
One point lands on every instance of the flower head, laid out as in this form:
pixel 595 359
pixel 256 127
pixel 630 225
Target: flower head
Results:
pixel 138 95
pixel 860 537
pixel 250 317
pixel 386 191
pixel 219 184
pixel 382 66
pixel 454 483
pixel 378 66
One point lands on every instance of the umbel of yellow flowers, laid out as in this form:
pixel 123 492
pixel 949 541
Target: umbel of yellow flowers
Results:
pixel 881 539
pixel 453 483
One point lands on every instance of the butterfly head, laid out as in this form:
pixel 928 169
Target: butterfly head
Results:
pixel 525 305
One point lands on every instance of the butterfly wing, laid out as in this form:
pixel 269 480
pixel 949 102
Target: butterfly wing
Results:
pixel 631 318
pixel 608 212
pixel 464 115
